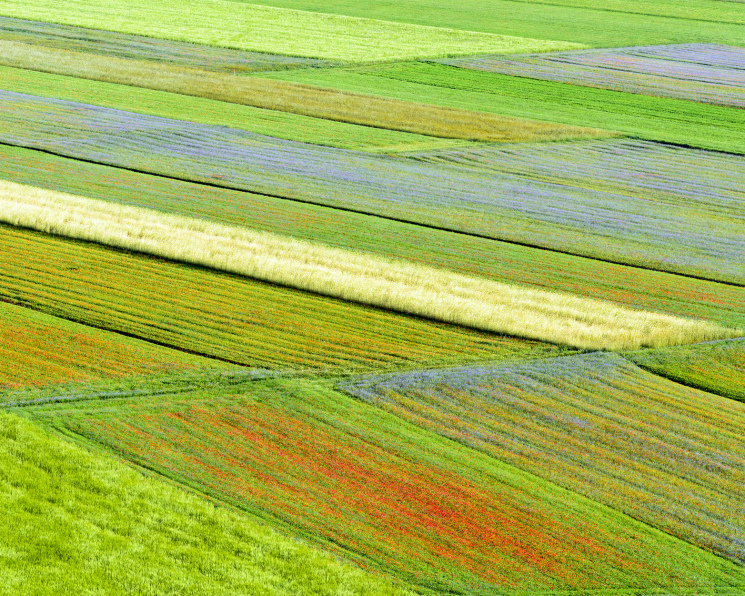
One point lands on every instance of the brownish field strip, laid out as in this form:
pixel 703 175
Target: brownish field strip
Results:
pixel 291 97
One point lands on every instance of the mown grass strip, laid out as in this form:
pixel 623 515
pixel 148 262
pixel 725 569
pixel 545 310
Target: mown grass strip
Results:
pixel 392 497
pixel 227 317
pixel 273 30
pixel 653 118
pixel 509 263
pixel 594 22
pixel 399 286
pixel 139 535
pixel 37 349
pixel 283 125
pixel 717 367
pixel 558 212
pixel 352 108
pixel 707 73
pixel 665 454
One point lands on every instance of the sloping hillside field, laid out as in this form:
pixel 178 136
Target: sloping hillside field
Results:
pixel 393 298
pixel 391 496
pixel 619 226
pixel 708 73
pixel 661 452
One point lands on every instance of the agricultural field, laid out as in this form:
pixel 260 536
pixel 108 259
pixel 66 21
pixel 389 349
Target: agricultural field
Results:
pixel 708 73
pixel 677 466
pixel 618 224
pixel 373 489
pixel 396 298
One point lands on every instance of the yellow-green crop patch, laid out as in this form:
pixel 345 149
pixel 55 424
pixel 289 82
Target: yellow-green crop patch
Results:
pixel 274 30
pixel 283 125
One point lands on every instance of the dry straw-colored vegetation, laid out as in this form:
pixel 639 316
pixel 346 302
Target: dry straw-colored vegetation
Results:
pixel 329 104
pixel 397 285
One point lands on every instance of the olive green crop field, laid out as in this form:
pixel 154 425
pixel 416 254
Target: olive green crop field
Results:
pixel 343 298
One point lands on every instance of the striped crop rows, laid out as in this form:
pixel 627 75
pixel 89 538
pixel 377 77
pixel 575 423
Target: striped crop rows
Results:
pixel 663 453
pixel 392 497
pixel 37 349
pixel 226 317
pixel 718 367
pixel 708 73
pixel 638 288
pixel 700 239
pixel 162 51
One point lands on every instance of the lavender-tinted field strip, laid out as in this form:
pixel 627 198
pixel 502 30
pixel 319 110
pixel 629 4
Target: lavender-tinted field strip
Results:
pixel 665 454
pixel 707 73
pixel 121 45
pixel 390 496
pixel 37 349
pixel 717 367
pixel 283 125
pixel 354 108
pixel 227 317
pixel 699 238
pixel 639 288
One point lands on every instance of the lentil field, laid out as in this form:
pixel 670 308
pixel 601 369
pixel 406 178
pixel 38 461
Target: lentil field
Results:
pixel 239 244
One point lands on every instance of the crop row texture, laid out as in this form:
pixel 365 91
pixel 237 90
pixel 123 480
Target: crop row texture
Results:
pixel 663 453
pixel 509 263
pixel 708 73
pixel 393 497
pixel 621 225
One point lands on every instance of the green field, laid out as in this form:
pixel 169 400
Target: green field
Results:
pixel 662 453
pixel 375 489
pixel 652 118
pixel 592 22
pixel 717 367
pixel 174 425
pixel 283 125
pixel 276 31
pixel 83 521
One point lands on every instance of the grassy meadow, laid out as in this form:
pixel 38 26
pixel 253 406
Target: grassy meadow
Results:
pixel 395 298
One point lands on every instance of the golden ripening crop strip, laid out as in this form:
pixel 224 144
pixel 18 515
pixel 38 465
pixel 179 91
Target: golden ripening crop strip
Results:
pixel 397 285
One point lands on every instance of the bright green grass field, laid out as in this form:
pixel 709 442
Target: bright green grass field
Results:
pixel 652 118
pixel 593 22
pixel 84 523
pixel 207 111
pixel 717 367
pixel 273 30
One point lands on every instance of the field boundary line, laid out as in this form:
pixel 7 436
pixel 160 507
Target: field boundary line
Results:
pixel 369 214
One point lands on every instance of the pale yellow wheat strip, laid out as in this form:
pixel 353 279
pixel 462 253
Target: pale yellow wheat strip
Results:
pixel 359 277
